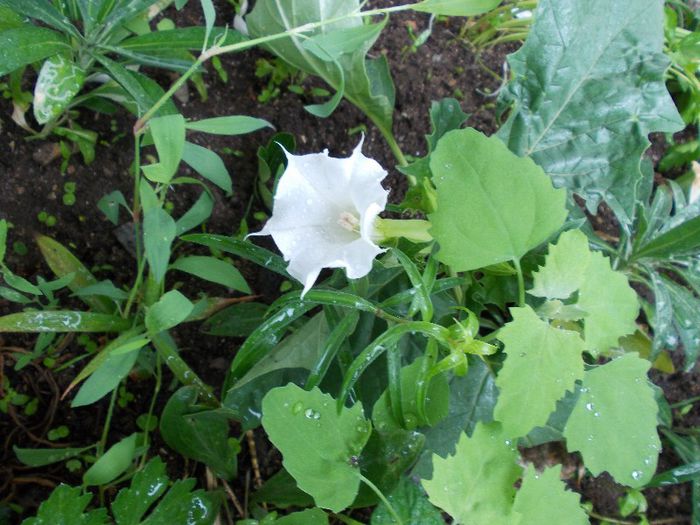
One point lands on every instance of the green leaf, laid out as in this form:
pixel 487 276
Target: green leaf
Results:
pixel 3 239
pixel 367 83
pixel 60 79
pixel 208 164
pixel 170 310
pixel 475 485
pixel 686 317
pixel 238 320
pixel 28 44
pixel 62 321
pixel 331 46
pixel 198 433
pixel 481 220
pixel 553 363
pixel 10 19
pixel 445 115
pixel 607 302
pixel 543 498
pixel 196 215
pixel 159 230
pixel 213 270
pixel 62 262
pixel 105 378
pixel 317 442
pixel 410 503
pixel 581 108
pixel 683 239
pixel 43 11
pixel 456 7
pixel 104 288
pixel 181 39
pixel 113 463
pixel 613 423
pixel 168 134
pixel 305 517
pixel 179 505
pixel 65 505
pixel 231 125
pixel 39 457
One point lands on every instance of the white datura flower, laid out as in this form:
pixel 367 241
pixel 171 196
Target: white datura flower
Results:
pixel 324 214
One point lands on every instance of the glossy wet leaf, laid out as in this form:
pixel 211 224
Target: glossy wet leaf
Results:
pixel 62 321
pixel 542 363
pixel 213 270
pixel 480 219
pixel 66 505
pixel 198 432
pixel 27 44
pixel 113 463
pixel 686 321
pixel 60 79
pixel 317 442
pixel 367 83
pixel 43 11
pixel 147 485
pixel 170 310
pixel 475 485
pixel 411 504
pixel 605 299
pixel 613 423
pixel 582 107
pixel 543 498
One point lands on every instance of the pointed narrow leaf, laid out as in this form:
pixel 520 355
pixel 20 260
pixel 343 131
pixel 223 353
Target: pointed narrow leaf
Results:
pixel 62 321
pixel 170 310
pixel 232 125
pixel 456 7
pixel 114 462
pixel 27 44
pixel 208 164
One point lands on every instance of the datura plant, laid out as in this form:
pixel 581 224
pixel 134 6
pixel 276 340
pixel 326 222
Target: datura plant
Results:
pixel 412 375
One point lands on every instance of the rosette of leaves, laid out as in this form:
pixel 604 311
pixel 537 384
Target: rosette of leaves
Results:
pixel 84 49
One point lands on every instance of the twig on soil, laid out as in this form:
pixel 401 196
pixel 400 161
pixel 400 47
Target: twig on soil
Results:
pixel 250 438
pixel 234 499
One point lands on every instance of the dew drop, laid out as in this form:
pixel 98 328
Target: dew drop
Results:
pixel 636 474
pixel 589 406
pixel 310 413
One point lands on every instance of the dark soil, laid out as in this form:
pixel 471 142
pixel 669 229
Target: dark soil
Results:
pixel 443 67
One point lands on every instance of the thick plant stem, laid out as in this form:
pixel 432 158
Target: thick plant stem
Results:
pixel 415 230
pixel 381 496
pixel 521 283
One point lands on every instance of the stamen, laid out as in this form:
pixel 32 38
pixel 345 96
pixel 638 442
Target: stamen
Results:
pixel 348 221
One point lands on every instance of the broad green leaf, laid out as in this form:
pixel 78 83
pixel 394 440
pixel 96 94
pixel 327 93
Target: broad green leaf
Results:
pixel 543 498
pixel 213 270
pixel 331 46
pixel 62 321
pixel 109 205
pixel 410 503
pixel 542 363
pixel 606 301
pixel 196 215
pixel 39 457
pixel 281 490
pixel 613 423
pixel 62 262
pixel 113 463
pixel 66 505
pixel 208 164
pixel 436 405
pixel 445 115
pixel 27 44
pixel 475 485
pixel 198 433
pixel 686 321
pixel 456 7
pixel 105 378
pixel 582 109
pixel 232 125
pixel 10 19
pixel 305 517
pixel 168 134
pixel 159 231
pixel 60 79
pixel 238 320
pixel 367 83
pixel 317 442
pixel 684 238
pixel 43 11
pixel 170 310
pixel 492 205
pixel 180 504
pixel 104 288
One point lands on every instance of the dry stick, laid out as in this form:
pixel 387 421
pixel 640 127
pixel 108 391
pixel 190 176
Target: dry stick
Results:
pixel 250 438
pixel 234 499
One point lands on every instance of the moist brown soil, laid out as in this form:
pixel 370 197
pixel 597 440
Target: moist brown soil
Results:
pixel 444 67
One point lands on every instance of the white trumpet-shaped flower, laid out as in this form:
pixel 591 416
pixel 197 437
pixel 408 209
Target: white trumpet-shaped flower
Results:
pixel 324 214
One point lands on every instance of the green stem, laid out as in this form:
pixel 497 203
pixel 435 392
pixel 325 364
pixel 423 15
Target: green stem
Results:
pixel 152 405
pixel 521 283
pixel 381 496
pixel 395 148
pixel 108 421
pixel 135 212
pixel 415 230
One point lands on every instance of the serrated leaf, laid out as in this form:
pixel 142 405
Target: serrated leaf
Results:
pixel 475 485
pixel 553 361
pixel 317 442
pixel 606 301
pixel 582 106
pixel 60 79
pixel 147 485
pixel 480 220
pixel 65 505
pixel 613 423
pixel 367 83
pixel 543 498
pixel 410 503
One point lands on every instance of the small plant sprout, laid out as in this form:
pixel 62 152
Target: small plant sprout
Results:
pixel 324 214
